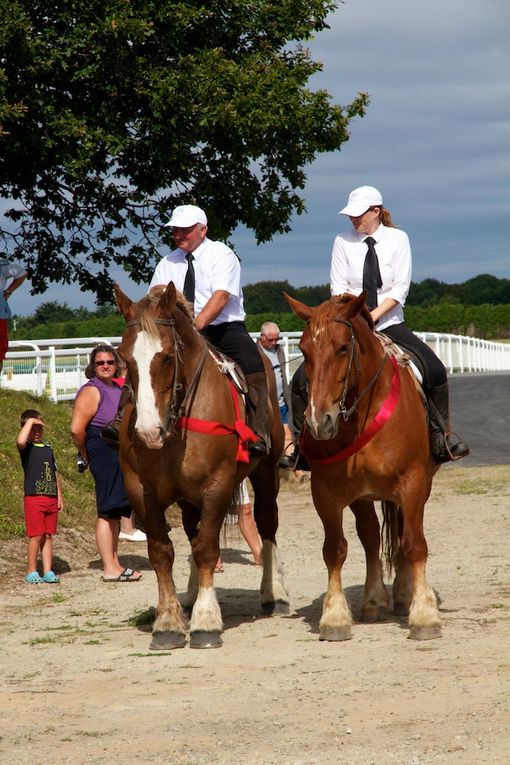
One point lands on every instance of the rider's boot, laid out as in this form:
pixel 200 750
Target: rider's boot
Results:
pixel 445 445
pixel 257 412
pixel 110 432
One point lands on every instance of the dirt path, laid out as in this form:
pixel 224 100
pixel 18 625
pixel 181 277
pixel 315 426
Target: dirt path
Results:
pixel 80 686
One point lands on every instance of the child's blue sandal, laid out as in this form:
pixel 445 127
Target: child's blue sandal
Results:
pixel 50 578
pixel 33 578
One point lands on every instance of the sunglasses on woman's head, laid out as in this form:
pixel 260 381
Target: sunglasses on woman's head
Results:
pixel 110 363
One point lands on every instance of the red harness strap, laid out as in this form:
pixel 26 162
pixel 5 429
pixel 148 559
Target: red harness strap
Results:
pixel 380 419
pixel 243 432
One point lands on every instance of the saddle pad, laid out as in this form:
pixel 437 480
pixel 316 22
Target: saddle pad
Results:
pixel 403 358
pixel 230 369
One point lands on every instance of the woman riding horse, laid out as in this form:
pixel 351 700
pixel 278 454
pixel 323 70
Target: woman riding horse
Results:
pixel 376 257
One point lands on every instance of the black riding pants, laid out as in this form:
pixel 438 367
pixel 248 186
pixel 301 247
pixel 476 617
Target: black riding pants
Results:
pixel 232 338
pixel 433 368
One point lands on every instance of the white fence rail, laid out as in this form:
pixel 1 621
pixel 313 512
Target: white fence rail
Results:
pixel 56 367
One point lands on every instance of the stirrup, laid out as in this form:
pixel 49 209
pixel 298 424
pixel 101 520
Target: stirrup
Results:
pixel 443 451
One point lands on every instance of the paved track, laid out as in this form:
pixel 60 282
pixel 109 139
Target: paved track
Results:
pixel 480 414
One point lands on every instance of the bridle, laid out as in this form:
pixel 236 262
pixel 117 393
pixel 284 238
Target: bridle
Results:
pixel 178 403
pixel 382 416
pixel 354 358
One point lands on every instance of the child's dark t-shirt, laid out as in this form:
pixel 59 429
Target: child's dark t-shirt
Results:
pixel 40 470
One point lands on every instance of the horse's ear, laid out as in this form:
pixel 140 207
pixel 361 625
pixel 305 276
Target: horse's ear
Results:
pixel 300 309
pixel 359 302
pixel 122 301
pixel 168 299
pixel 359 306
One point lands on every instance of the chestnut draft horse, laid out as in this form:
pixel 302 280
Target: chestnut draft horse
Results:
pixel 184 440
pixel 366 438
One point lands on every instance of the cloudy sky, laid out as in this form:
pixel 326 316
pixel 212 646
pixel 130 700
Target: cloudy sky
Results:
pixel 435 141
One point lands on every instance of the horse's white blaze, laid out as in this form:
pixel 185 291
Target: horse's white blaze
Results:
pixel 272 588
pixel 206 615
pixel 313 420
pixel 148 422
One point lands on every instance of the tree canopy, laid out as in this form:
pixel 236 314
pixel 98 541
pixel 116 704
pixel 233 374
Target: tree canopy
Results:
pixel 114 111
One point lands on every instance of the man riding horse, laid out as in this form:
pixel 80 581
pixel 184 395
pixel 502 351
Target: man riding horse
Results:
pixel 208 273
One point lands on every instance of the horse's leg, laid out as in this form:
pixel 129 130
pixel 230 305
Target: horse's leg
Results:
pixel 206 625
pixel 169 629
pixel 274 595
pixel 424 621
pixel 336 619
pixel 375 606
pixel 190 522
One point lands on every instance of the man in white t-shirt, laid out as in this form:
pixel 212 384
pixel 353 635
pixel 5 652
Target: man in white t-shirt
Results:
pixel 208 273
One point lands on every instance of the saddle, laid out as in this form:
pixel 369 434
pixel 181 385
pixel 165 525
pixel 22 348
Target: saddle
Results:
pixel 230 369
pixel 405 358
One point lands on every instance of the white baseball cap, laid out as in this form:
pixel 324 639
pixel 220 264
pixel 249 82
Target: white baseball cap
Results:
pixel 360 200
pixel 187 215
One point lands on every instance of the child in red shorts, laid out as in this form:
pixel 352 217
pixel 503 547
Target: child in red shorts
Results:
pixel 43 495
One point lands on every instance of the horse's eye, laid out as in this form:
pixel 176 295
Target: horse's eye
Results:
pixel 342 350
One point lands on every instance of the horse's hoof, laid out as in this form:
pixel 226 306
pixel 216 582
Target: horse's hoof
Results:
pixel 165 641
pixel 204 639
pixel 275 607
pixel 372 614
pixel 400 609
pixel 425 633
pixel 335 634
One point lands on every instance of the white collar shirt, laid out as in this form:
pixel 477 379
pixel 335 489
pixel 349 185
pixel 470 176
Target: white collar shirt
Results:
pixel 8 271
pixel 216 268
pixel 395 263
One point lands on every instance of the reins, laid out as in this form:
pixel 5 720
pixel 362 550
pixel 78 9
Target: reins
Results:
pixel 176 416
pixel 346 413
pixel 380 419
pixel 177 407
pixel 382 416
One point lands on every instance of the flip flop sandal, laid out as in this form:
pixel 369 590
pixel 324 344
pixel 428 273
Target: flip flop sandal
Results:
pixel 125 576
pixel 50 578
pixel 33 578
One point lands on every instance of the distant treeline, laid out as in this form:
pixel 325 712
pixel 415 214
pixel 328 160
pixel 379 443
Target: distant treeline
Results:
pixel 479 307
pixel 484 289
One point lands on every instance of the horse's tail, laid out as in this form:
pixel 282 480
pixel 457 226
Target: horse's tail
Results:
pixel 390 535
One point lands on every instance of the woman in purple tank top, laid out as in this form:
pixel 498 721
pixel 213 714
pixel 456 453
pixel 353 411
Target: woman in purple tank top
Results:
pixel 96 404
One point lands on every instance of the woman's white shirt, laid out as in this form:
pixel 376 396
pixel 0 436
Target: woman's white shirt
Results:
pixel 395 264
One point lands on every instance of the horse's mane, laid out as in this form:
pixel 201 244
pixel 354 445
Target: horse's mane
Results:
pixel 346 297
pixel 146 304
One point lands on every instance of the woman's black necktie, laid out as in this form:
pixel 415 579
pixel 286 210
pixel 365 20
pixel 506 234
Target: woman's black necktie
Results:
pixel 189 280
pixel 371 274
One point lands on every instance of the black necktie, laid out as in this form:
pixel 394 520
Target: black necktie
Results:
pixel 371 274
pixel 189 280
